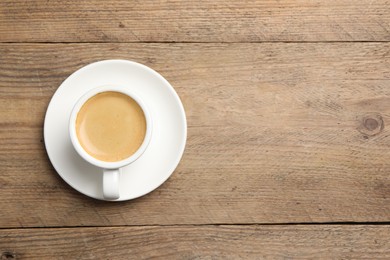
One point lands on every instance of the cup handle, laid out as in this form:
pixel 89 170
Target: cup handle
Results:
pixel 111 183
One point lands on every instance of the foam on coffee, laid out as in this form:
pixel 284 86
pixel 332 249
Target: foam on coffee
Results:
pixel 111 126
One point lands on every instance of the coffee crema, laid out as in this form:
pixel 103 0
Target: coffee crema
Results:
pixel 111 126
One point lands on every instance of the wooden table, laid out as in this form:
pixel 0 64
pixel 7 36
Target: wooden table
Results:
pixel 288 109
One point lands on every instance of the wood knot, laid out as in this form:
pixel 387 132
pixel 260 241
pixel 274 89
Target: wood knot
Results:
pixel 7 256
pixel 371 124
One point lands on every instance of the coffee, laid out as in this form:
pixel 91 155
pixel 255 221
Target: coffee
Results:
pixel 111 126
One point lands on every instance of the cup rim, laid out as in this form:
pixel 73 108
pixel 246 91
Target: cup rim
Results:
pixel 73 135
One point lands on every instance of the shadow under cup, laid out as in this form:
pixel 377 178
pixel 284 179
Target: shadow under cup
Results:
pixel 110 127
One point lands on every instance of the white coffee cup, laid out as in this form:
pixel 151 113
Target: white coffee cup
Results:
pixel 111 170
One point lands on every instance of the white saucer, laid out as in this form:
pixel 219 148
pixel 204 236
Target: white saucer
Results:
pixel 165 149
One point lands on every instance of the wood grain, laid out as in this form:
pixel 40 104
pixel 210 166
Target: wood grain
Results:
pixel 193 21
pixel 205 242
pixel 278 133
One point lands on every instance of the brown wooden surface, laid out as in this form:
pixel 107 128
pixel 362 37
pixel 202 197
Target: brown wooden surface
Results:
pixel 277 133
pixel 288 109
pixel 199 242
pixel 194 21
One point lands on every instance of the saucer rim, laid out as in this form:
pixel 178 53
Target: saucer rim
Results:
pixel 183 141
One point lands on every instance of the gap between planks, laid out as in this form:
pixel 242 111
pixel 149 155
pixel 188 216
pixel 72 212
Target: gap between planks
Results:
pixel 179 42
pixel 380 223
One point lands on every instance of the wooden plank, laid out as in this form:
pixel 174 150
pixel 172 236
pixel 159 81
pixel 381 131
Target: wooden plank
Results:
pixel 198 242
pixel 194 21
pixel 278 133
